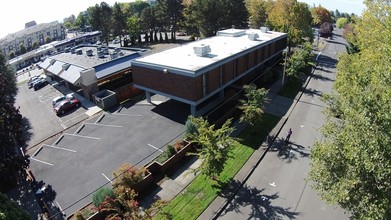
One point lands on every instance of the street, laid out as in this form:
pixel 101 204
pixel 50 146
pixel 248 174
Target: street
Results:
pixel 278 189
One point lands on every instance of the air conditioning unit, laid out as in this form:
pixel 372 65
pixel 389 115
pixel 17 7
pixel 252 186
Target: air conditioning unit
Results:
pixel 202 50
pixel 264 29
pixel 253 36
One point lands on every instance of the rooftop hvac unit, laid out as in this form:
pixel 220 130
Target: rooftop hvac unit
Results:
pixel 113 55
pixel 202 50
pixel 79 51
pixel 101 54
pixel 253 36
pixel 106 50
pixel 89 52
pixel 264 29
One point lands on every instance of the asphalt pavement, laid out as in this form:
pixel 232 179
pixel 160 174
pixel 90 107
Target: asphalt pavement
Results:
pixel 272 184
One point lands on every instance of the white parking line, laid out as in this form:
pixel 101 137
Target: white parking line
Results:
pixel 63 126
pixel 82 136
pixel 41 161
pixel 155 147
pixel 107 178
pixel 103 125
pixel 123 114
pixel 61 148
pixel 73 118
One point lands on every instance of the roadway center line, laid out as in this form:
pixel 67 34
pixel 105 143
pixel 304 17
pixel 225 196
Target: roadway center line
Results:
pixel 107 178
pixel 155 147
pixel 61 148
pixel 103 125
pixel 76 135
pixel 41 161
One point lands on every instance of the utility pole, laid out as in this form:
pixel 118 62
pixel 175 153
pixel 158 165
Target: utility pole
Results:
pixel 283 72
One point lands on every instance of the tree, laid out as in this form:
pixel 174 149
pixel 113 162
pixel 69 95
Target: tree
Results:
pixel 341 22
pixel 351 165
pixel 293 18
pixel 22 49
pixel 170 11
pixel 48 39
pixel 326 30
pixel 148 21
pixel 80 22
pixel 133 28
pixel 258 12
pixel 298 61
pixel 100 18
pixel 128 175
pixel 10 209
pixel 206 15
pixel 215 145
pixel 320 15
pixel 12 163
pixel 100 195
pixel 252 106
pixel 119 24
pixel 234 14
pixel 136 7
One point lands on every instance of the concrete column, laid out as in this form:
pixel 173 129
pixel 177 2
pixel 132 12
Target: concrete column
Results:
pixel 221 94
pixel 193 110
pixel 148 95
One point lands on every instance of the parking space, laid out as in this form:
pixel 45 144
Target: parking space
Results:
pixel 42 121
pixel 83 159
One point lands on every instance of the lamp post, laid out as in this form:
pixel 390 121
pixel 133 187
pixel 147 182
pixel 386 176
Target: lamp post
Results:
pixel 283 72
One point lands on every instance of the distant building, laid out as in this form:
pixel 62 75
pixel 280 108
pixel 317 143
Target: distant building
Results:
pixel 31 37
pixel 201 73
pixel 30 24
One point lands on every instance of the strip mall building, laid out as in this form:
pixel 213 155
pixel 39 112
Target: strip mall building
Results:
pixel 198 73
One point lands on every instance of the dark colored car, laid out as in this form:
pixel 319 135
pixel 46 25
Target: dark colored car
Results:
pixel 32 81
pixel 66 105
pixel 39 84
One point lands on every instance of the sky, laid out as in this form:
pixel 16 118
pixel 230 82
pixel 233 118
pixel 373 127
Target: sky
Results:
pixel 16 13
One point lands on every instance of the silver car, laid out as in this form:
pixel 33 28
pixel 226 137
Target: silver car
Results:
pixel 58 99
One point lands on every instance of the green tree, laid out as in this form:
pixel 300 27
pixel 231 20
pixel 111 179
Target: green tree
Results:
pixel 10 210
pixel 136 7
pixel 148 21
pixel 119 23
pixel 81 22
pixel 341 22
pixel 100 18
pixel 294 18
pixel 215 145
pixel 12 163
pixel 99 196
pixel 206 15
pixel 298 61
pixel 128 175
pixel 258 12
pixel 234 14
pixel 133 28
pixel 170 13
pixel 252 106
pixel 22 49
pixel 48 39
pixel 320 15
pixel 351 166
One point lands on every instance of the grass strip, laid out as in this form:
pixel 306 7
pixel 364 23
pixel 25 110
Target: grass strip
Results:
pixel 192 201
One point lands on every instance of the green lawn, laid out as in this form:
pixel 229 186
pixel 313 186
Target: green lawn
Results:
pixel 203 190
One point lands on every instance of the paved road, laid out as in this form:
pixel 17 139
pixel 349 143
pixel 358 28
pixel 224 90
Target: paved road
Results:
pixel 277 189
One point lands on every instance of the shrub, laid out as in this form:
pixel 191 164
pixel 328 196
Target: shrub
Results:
pixel 169 152
pixel 128 175
pixel 190 128
pixel 100 195
pixel 79 216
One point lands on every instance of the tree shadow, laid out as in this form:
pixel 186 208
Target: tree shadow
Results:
pixel 27 134
pixel 288 151
pixel 323 78
pixel 260 204
pixel 312 92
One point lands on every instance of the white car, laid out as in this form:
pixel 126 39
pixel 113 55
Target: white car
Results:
pixel 58 99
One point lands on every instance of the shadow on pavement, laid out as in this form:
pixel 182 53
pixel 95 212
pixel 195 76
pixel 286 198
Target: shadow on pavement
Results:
pixel 260 204
pixel 288 151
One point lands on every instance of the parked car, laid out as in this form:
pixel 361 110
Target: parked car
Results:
pixel 66 105
pixel 61 98
pixel 39 84
pixel 33 81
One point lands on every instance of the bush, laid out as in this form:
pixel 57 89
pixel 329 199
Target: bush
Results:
pixel 190 128
pixel 100 195
pixel 169 152
pixel 128 175
pixel 79 216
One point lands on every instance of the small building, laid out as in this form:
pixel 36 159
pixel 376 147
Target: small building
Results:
pixel 90 69
pixel 198 73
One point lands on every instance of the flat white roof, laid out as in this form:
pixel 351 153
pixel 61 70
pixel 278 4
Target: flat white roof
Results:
pixel 228 44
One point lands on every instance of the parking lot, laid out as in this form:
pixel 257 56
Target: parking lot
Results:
pixel 42 121
pixel 83 158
